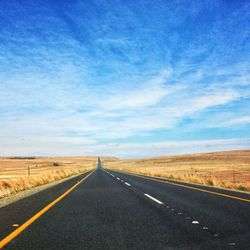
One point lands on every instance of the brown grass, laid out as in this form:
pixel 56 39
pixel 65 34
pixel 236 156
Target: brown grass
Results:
pixel 14 172
pixel 221 169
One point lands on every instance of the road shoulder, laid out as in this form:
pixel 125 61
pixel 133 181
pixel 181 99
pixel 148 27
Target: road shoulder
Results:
pixel 26 193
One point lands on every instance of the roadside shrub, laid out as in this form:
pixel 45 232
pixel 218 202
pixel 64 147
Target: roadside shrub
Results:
pixel 241 188
pixel 209 182
pixel 12 186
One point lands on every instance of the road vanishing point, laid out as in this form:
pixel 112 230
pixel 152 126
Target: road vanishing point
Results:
pixel 105 209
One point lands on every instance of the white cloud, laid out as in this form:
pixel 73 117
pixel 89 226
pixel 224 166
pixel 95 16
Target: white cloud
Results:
pixel 127 150
pixel 45 102
pixel 242 120
pixel 123 150
pixel 138 95
pixel 155 104
pixel 215 98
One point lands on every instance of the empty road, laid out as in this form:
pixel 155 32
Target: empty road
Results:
pixel 110 210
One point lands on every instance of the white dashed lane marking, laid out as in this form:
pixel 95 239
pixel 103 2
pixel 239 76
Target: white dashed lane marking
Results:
pixel 154 199
pixel 172 209
pixel 195 222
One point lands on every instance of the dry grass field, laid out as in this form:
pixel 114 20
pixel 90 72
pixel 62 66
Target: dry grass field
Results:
pixel 18 174
pixel 222 169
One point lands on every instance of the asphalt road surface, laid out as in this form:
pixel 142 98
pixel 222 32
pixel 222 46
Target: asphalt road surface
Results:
pixel 112 210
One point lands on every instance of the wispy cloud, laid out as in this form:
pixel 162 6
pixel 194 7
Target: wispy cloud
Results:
pixel 128 150
pixel 83 75
pixel 47 147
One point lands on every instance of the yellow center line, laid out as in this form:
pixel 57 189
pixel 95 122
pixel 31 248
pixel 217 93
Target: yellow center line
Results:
pixel 194 188
pixel 26 224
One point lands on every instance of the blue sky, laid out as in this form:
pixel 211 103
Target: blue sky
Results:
pixel 124 78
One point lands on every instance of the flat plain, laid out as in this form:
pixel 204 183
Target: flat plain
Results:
pixel 12 167
pixel 229 169
pixel 18 174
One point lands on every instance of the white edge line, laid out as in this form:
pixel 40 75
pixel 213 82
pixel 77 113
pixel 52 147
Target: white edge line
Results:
pixel 154 199
pixel 127 184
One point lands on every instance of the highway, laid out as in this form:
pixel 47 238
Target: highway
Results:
pixel 106 209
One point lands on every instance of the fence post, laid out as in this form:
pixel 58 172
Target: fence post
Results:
pixel 234 174
pixel 28 170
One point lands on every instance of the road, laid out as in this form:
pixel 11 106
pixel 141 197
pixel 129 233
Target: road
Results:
pixel 113 210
